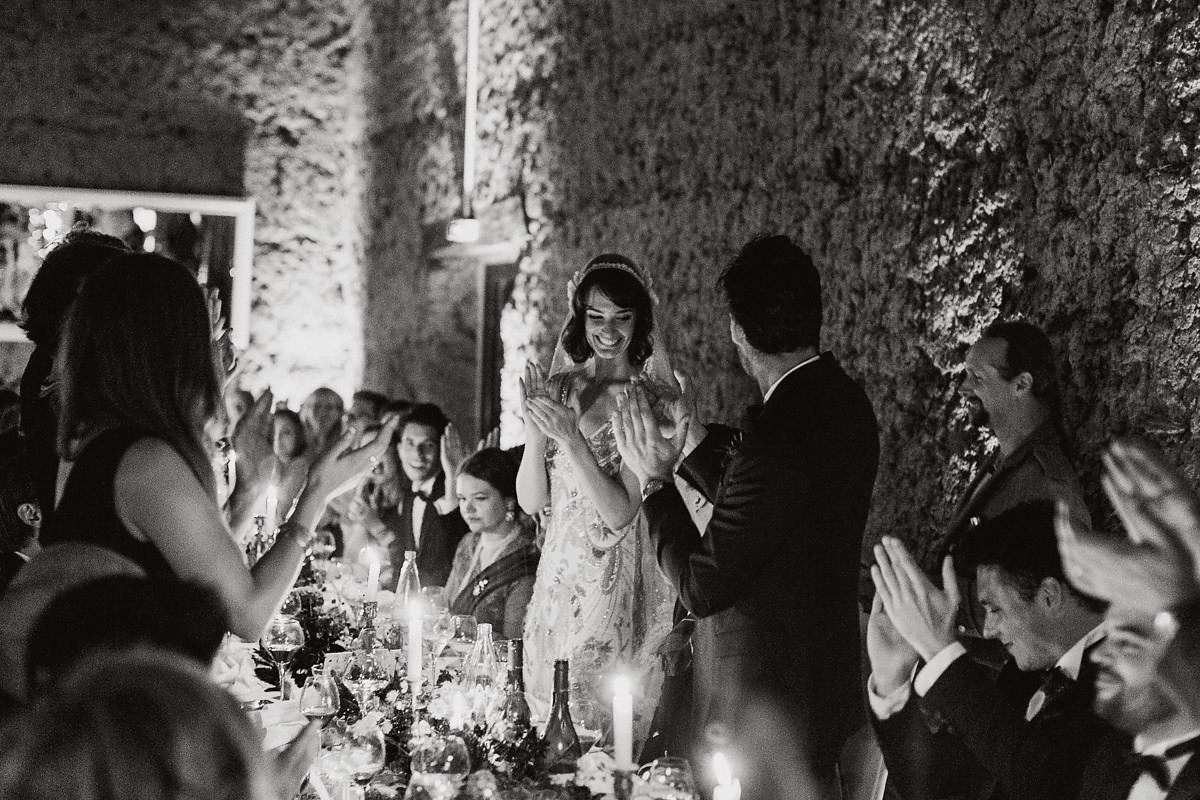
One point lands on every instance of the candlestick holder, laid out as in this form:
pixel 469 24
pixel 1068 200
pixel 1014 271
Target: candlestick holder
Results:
pixel 622 784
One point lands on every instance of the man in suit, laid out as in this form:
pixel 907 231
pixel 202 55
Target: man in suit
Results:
pixel 1132 695
pixel 427 519
pixel 772 580
pixel 949 729
pixel 1010 384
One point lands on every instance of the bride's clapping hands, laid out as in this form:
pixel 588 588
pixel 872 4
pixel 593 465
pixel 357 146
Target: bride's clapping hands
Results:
pixel 553 419
pixel 533 385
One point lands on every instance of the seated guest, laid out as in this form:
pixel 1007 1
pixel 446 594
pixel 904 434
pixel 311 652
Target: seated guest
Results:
pixel 20 518
pixel 366 408
pixel 321 413
pixel 362 526
pixel 290 459
pixel 1155 569
pixel 495 564
pixel 138 384
pixel 1132 694
pixel 1020 743
pixel 121 612
pixel 427 519
pixel 44 312
pixel 48 574
pixel 143 725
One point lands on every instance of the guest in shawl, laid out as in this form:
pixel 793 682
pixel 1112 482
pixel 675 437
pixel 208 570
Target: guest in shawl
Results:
pixel 494 565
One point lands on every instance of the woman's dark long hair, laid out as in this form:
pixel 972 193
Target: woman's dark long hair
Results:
pixel 625 290
pixel 137 352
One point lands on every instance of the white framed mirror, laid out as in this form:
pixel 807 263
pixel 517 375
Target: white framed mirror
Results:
pixel 211 234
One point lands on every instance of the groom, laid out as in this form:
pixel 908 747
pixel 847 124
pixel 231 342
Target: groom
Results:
pixel 773 578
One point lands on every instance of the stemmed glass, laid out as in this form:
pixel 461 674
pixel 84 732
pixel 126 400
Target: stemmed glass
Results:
pixel 442 631
pixel 669 778
pixel 282 639
pixel 362 754
pixel 589 722
pixel 465 629
pixel 366 675
pixel 319 698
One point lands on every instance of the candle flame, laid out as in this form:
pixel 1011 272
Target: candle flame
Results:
pixel 721 770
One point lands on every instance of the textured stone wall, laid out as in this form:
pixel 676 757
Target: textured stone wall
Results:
pixel 944 162
pixel 222 97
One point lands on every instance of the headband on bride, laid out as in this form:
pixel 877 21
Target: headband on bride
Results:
pixel 631 267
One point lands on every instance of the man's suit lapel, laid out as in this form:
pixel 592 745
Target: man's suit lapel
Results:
pixel 1187 785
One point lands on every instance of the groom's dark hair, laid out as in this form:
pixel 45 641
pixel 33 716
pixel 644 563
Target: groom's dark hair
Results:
pixel 774 295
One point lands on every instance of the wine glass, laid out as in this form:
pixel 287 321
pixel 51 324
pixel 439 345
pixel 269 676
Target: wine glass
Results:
pixel 440 764
pixel 465 629
pixel 366 675
pixel 669 778
pixel 282 639
pixel 362 755
pixel 442 630
pixel 589 722
pixel 319 697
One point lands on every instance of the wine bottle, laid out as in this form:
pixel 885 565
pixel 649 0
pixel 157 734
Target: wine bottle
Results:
pixel 408 587
pixel 560 745
pixel 479 669
pixel 516 707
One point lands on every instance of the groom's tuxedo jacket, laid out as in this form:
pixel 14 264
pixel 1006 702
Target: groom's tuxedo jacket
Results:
pixel 968 739
pixel 773 581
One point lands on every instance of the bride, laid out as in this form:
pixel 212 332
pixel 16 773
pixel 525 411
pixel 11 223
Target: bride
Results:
pixel 598 598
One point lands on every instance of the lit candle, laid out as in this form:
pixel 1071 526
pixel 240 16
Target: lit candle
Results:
pixel 728 787
pixel 622 723
pixel 414 646
pixel 272 507
pixel 372 577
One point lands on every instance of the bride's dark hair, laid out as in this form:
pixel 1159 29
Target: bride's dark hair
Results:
pixel 623 288
pixel 137 352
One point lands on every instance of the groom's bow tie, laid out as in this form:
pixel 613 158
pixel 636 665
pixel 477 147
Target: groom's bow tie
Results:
pixel 425 496
pixel 1156 766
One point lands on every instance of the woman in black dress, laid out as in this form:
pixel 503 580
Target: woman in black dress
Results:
pixel 138 383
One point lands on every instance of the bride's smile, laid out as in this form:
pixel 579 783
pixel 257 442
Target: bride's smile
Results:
pixel 609 327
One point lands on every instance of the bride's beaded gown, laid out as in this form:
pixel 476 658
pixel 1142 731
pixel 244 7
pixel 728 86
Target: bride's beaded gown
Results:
pixel 598 599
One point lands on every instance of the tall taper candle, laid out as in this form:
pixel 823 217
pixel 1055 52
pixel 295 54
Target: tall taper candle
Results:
pixel 414 646
pixel 622 723
pixel 372 578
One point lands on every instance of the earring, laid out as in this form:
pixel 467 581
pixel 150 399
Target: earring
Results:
pixel 510 515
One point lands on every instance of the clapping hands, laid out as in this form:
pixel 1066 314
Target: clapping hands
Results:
pixel 545 416
pixel 648 450
pixel 1155 566
pixel 921 613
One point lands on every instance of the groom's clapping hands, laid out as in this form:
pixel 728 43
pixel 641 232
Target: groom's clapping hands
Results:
pixel 648 453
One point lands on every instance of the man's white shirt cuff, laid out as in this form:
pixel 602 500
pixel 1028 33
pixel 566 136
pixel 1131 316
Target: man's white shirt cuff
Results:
pixel 930 673
pixel 885 706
